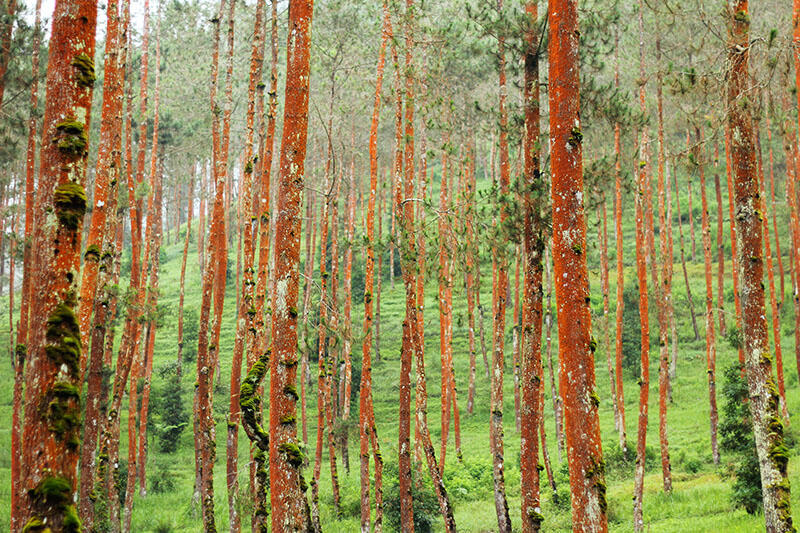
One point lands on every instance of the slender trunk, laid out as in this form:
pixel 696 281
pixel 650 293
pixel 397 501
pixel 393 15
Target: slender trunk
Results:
pixel 21 349
pixel 189 213
pixel 602 237
pixel 469 270
pixel 776 322
pixel 500 259
pixel 52 435
pixel 365 395
pixel 734 256
pixel 685 271
pixel 154 220
pixel 531 372
pixel 720 252
pixel 778 253
pixel 246 308
pixel 400 218
pixel 643 227
pixel 763 402
pixel 711 351
pixel 620 399
pixel 289 505
pixel 558 411
pixel 665 291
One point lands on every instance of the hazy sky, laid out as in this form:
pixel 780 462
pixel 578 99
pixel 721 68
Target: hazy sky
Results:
pixel 137 12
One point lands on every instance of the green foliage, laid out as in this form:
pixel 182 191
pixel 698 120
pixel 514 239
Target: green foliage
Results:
pixel 191 325
pixel 734 337
pixel 426 505
pixel 631 332
pixel 169 407
pixel 471 480
pixel 736 432
pixel 163 480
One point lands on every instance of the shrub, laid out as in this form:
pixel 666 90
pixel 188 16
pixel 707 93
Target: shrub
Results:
pixel 736 432
pixel 426 505
pixel 172 413
pixel 631 332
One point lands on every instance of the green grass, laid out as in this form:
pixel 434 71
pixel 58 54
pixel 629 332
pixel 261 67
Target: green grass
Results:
pixel 701 497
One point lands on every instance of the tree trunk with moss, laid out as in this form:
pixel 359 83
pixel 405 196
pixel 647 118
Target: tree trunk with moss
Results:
pixel 52 435
pixel 289 505
pixel 763 398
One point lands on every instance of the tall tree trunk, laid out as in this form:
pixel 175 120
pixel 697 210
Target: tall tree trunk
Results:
pixel 21 350
pixel 620 400
pixel 685 270
pixel 106 177
pixel 778 253
pixel 665 291
pixel 577 383
pixel 205 448
pixel 289 506
pixel 246 308
pixel 720 251
pixel 500 259
pixel 531 374
pixel 776 319
pixel 763 402
pixel 602 238
pixel 52 435
pixel 734 257
pixel 711 350
pixel 181 297
pixel 643 228
pixel 365 394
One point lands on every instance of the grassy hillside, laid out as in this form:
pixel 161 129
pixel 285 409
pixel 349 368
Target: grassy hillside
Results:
pixel 701 497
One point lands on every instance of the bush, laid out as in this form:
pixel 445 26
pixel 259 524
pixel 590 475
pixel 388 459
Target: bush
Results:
pixel 162 481
pixel 172 413
pixel 736 432
pixel 190 333
pixel 631 332
pixel 426 505
pixel 471 480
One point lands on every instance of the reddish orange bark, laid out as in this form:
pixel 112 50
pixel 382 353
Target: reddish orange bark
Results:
pixel 245 318
pixel 620 400
pixel 734 257
pixel 289 506
pixel 500 290
pixel 52 435
pixel 100 234
pixel 531 371
pixel 189 213
pixel 20 351
pixel 776 323
pixel 365 396
pixel 602 239
pixel 720 249
pixel 577 387
pixel 665 292
pixel 711 351
pixel 778 254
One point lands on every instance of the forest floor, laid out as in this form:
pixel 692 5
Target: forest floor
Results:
pixel 700 501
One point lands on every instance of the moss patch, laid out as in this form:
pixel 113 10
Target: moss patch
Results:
pixel 72 138
pixel 70 203
pixel 85 70
pixel 64 337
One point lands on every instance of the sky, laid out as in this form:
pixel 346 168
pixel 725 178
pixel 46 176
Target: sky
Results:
pixel 137 14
